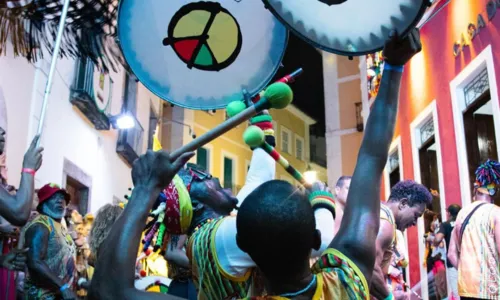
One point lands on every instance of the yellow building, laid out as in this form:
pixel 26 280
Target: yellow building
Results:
pixel 228 157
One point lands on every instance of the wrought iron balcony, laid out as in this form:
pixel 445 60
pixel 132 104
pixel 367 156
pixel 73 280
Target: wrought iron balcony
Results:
pixel 130 142
pixel 92 101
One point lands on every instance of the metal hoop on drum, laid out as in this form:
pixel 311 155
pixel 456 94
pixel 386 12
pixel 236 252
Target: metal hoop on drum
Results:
pixel 334 26
pixel 201 54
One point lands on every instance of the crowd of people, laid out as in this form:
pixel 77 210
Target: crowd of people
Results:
pixel 270 241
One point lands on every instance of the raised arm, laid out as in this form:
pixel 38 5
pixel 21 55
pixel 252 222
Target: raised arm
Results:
pixel 114 273
pixel 360 224
pixel 16 208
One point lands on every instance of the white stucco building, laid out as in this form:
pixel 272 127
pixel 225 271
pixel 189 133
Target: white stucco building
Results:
pixel 91 163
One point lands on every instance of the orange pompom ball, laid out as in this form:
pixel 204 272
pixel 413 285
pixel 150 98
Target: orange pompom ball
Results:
pixel 143 273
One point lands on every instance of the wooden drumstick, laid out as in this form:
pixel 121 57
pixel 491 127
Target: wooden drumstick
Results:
pixel 254 137
pixel 277 95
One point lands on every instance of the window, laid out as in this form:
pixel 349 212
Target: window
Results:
pixel 130 95
pixel 203 158
pixel 228 173
pixel 299 148
pixel 153 126
pixel 79 194
pixel 285 140
pixel 394 171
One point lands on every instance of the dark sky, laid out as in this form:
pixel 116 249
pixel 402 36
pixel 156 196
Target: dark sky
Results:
pixel 308 88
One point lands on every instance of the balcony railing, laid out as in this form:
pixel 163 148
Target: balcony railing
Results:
pixel 130 143
pixel 83 95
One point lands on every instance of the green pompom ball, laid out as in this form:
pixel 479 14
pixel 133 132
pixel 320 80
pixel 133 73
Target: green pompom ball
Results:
pixel 279 95
pixel 253 136
pixel 235 108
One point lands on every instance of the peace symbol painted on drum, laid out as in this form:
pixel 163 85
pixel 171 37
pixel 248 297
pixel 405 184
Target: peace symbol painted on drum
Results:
pixel 204 35
pixel 201 54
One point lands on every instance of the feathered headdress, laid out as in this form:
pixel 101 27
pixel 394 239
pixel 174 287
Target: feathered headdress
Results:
pixel 90 29
pixel 488 177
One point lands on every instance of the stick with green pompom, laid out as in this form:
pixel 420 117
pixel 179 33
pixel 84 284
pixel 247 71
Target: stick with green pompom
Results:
pixel 277 95
pixel 254 137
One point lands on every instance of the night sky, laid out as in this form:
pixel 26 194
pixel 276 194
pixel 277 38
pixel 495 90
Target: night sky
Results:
pixel 308 88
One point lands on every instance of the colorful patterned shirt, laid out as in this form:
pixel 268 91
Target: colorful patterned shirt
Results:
pixel 337 278
pixel 211 280
pixel 60 258
pixel 479 263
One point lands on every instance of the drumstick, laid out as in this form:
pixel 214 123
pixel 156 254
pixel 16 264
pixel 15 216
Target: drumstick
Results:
pixel 277 95
pixel 254 137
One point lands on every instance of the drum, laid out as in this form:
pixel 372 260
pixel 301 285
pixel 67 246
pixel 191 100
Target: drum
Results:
pixel 154 284
pixel 201 55
pixel 348 27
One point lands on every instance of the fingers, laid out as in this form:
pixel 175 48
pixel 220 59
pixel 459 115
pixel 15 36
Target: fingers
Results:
pixel 34 142
pixel 415 41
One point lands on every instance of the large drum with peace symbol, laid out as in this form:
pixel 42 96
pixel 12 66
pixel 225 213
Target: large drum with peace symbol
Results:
pixel 153 284
pixel 348 27
pixel 201 54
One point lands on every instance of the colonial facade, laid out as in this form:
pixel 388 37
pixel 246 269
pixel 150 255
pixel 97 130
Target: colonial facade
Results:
pixel 449 114
pixel 82 150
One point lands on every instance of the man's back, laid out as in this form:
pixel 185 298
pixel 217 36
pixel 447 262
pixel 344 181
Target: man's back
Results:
pixel 478 267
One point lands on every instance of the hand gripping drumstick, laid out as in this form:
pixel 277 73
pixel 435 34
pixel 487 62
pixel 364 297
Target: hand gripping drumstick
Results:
pixel 254 137
pixel 277 95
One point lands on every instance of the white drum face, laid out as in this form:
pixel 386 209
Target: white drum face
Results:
pixel 352 27
pixel 201 55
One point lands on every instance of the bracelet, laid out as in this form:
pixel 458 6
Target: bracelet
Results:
pixel 390 297
pixel 390 67
pixel 29 171
pixel 64 287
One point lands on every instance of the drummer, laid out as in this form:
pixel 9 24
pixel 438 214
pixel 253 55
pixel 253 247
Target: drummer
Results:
pixel 212 235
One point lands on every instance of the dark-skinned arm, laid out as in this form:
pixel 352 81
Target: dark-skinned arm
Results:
pixel 16 208
pixel 115 270
pixel 176 253
pixel 37 237
pixel 360 223
pixel 378 287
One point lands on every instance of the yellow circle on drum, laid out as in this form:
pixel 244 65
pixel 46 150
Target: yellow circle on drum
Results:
pixel 223 36
pixel 192 24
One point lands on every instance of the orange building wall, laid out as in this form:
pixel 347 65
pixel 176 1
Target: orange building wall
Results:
pixel 427 77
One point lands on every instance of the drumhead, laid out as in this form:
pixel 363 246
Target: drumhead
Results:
pixel 351 28
pixel 201 54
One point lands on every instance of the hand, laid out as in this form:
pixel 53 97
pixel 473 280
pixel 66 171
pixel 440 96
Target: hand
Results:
pixel 398 51
pixel 319 186
pixel 33 157
pixel 155 170
pixel 68 294
pixel 8 229
pixel 14 260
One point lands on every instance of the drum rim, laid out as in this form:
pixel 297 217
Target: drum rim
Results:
pixel 258 89
pixel 420 14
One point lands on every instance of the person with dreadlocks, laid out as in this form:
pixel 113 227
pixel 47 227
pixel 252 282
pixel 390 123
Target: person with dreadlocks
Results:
pixel 475 240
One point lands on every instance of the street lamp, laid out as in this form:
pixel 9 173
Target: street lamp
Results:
pixel 311 176
pixel 122 121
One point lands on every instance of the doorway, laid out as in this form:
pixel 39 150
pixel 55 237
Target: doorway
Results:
pixel 480 133
pixel 79 195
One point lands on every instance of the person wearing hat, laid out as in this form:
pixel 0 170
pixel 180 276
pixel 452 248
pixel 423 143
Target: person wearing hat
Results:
pixel 475 240
pixel 52 251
